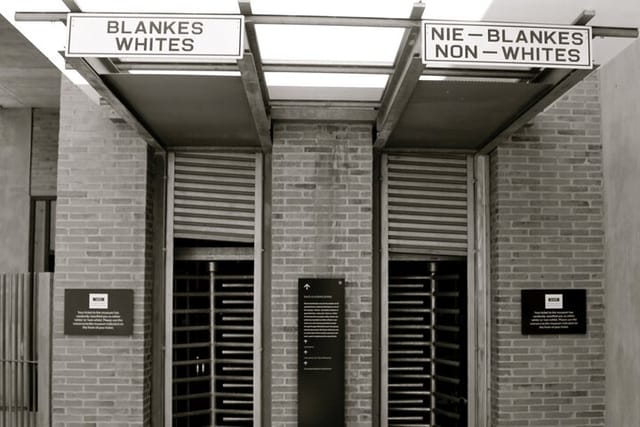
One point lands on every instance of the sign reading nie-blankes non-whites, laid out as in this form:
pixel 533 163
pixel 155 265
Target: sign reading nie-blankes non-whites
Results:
pixel 177 37
pixel 488 44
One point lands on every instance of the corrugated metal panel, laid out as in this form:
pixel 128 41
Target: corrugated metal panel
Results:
pixel 214 196
pixel 426 204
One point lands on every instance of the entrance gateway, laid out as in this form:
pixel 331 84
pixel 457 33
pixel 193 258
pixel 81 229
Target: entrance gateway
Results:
pixel 430 222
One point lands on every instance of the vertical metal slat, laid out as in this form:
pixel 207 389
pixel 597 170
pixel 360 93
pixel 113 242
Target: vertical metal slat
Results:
pixel 432 282
pixel 43 348
pixel 3 350
pixel 13 344
pixel 20 355
pixel 212 334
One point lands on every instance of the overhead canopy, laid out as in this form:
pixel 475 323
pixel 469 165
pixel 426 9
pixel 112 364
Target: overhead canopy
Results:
pixel 461 114
pixel 189 110
pixel 292 70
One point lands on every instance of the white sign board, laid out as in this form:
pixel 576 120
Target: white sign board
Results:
pixel 487 44
pixel 553 301
pixel 98 301
pixel 171 37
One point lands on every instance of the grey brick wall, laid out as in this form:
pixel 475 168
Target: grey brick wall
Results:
pixel 547 232
pixel 44 151
pixel 322 228
pixel 102 229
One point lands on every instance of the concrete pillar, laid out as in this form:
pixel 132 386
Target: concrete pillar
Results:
pixel 620 133
pixel 15 157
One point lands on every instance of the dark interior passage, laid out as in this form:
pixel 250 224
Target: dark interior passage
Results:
pixel 427 337
pixel 213 309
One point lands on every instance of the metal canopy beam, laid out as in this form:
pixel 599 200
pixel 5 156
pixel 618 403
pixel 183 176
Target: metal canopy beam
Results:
pixel 598 31
pixel 408 67
pixel 569 80
pixel 253 80
pixel 561 79
pixel 324 114
pixel 90 75
pixel 252 41
pixel 71 4
pixel 252 89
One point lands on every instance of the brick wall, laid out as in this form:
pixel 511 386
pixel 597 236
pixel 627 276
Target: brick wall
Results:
pixel 322 228
pixel 547 232
pixel 102 229
pixel 44 151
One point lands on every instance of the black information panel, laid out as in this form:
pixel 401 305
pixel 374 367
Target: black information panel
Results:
pixel 321 353
pixel 554 311
pixel 98 312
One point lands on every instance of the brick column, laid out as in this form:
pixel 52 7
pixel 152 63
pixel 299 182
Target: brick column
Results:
pixel 103 235
pixel 547 232
pixel 322 228
pixel 44 151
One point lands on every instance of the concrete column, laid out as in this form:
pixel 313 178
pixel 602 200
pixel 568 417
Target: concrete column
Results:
pixel 621 139
pixel 15 157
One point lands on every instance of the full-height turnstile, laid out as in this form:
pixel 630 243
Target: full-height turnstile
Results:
pixel 213 293
pixel 424 282
pixel 213 334
pixel 427 366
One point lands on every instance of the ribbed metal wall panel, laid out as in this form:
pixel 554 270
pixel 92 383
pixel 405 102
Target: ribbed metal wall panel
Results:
pixel 426 204
pixel 214 196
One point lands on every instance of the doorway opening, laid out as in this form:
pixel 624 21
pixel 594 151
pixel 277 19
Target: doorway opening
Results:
pixel 427 343
pixel 213 339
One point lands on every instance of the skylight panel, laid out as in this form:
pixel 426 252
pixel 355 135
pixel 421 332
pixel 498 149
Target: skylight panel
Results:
pixel 326 86
pixel 159 6
pixel 353 8
pixel 328 44
pixel 326 80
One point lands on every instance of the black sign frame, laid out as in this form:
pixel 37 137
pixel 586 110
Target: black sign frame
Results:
pixel 100 312
pixel 321 352
pixel 553 311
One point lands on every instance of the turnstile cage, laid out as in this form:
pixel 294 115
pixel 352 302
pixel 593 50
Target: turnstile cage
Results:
pixel 427 344
pixel 213 316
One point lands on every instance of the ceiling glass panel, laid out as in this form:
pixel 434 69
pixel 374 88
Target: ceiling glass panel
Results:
pixel 326 80
pixel 326 86
pixel 8 7
pixel 159 6
pixel 369 8
pixel 328 44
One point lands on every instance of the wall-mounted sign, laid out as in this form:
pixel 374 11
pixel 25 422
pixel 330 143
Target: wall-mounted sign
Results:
pixel 557 311
pixel 321 352
pixel 171 37
pixel 98 312
pixel 488 44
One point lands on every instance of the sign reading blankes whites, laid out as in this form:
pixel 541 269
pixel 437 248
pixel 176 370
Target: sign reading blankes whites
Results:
pixel 321 341
pixel 98 312
pixel 483 44
pixel 169 37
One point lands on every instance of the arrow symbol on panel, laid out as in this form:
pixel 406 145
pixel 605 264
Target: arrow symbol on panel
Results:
pixel 307 286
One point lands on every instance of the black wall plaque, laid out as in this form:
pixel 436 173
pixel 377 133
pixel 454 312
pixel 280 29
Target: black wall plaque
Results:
pixel 554 311
pixel 98 312
pixel 321 353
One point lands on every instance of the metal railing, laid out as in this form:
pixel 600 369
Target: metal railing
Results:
pixel 25 349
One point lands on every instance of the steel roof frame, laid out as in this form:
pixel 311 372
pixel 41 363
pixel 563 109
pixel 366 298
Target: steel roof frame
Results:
pixel 385 114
